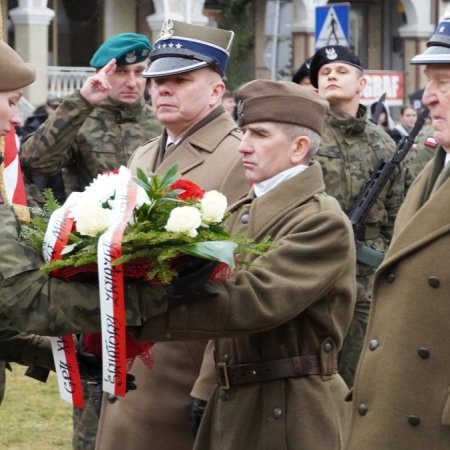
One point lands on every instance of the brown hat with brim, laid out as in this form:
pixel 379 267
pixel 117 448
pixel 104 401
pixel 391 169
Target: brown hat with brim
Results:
pixel 280 101
pixel 14 72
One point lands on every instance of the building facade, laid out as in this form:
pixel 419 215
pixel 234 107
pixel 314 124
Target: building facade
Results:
pixel 386 34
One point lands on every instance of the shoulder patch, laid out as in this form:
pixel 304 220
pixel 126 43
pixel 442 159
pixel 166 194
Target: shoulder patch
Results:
pixel 430 142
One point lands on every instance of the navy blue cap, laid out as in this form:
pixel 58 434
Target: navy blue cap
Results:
pixel 331 54
pixel 438 51
pixel 183 47
pixel 126 48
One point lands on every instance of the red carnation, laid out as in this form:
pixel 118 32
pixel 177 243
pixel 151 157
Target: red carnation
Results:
pixel 190 189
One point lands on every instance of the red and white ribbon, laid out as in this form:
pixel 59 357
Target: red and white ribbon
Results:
pixel 67 372
pixel 63 348
pixel 112 303
pixel 12 174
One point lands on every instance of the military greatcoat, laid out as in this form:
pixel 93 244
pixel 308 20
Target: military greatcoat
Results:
pixel 401 398
pixel 297 299
pixel 156 415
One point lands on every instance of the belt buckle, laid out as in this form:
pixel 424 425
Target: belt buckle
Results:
pixel 222 367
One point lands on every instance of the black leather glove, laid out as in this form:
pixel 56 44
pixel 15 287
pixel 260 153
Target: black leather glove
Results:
pixel 197 409
pixel 190 283
pixel 90 367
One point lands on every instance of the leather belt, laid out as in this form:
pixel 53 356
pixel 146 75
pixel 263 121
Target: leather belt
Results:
pixel 297 366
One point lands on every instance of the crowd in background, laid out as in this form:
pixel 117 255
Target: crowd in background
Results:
pixel 309 320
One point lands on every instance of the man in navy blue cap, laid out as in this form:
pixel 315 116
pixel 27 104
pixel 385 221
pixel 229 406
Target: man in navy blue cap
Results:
pixel 350 149
pixel 186 71
pixel 401 394
pixel 96 129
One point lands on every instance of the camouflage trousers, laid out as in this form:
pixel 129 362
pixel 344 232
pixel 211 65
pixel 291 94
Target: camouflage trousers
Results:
pixel 85 421
pixel 353 342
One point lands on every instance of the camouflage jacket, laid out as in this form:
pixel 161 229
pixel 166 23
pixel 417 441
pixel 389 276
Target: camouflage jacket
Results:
pixel 87 140
pixel 32 302
pixel 424 149
pixel 349 151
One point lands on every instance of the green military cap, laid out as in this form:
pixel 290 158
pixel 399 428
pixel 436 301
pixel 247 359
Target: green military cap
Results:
pixel 125 48
pixel 280 101
pixel 14 72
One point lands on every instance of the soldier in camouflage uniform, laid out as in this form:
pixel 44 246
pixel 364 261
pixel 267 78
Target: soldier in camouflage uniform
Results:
pixel 85 138
pixel 14 76
pixel 423 150
pixel 351 147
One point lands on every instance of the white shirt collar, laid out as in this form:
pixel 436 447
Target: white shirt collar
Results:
pixel 447 158
pixel 267 185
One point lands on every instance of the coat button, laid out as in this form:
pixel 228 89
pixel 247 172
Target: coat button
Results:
pixel 390 277
pixel 414 420
pixel 244 218
pixel 434 282
pixel 277 413
pixel 374 344
pixel 362 409
pixel 111 398
pixel 327 347
pixel 423 352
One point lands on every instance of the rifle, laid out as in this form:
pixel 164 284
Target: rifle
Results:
pixel 378 109
pixel 372 188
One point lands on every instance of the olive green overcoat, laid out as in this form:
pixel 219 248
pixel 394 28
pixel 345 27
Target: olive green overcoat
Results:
pixel 401 398
pixel 296 299
pixel 156 415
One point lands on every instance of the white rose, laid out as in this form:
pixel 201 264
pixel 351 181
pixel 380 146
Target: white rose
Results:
pixel 101 188
pixel 91 219
pixel 213 206
pixel 142 197
pixel 184 219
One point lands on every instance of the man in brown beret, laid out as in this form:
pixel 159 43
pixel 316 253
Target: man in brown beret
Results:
pixel 15 74
pixel 278 323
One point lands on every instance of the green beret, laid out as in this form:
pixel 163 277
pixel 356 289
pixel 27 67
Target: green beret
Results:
pixel 126 48
pixel 14 73
pixel 280 101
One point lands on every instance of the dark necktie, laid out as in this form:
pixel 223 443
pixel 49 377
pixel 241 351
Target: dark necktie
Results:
pixel 169 149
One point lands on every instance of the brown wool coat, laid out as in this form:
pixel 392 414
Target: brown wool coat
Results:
pixel 156 415
pixel 401 398
pixel 297 299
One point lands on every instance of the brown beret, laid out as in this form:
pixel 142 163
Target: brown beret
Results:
pixel 14 73
pixel 280 101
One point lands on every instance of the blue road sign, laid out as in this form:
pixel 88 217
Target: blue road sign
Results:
pixel 332 25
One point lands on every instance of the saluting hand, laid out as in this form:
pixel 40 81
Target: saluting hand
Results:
pixel 96 88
